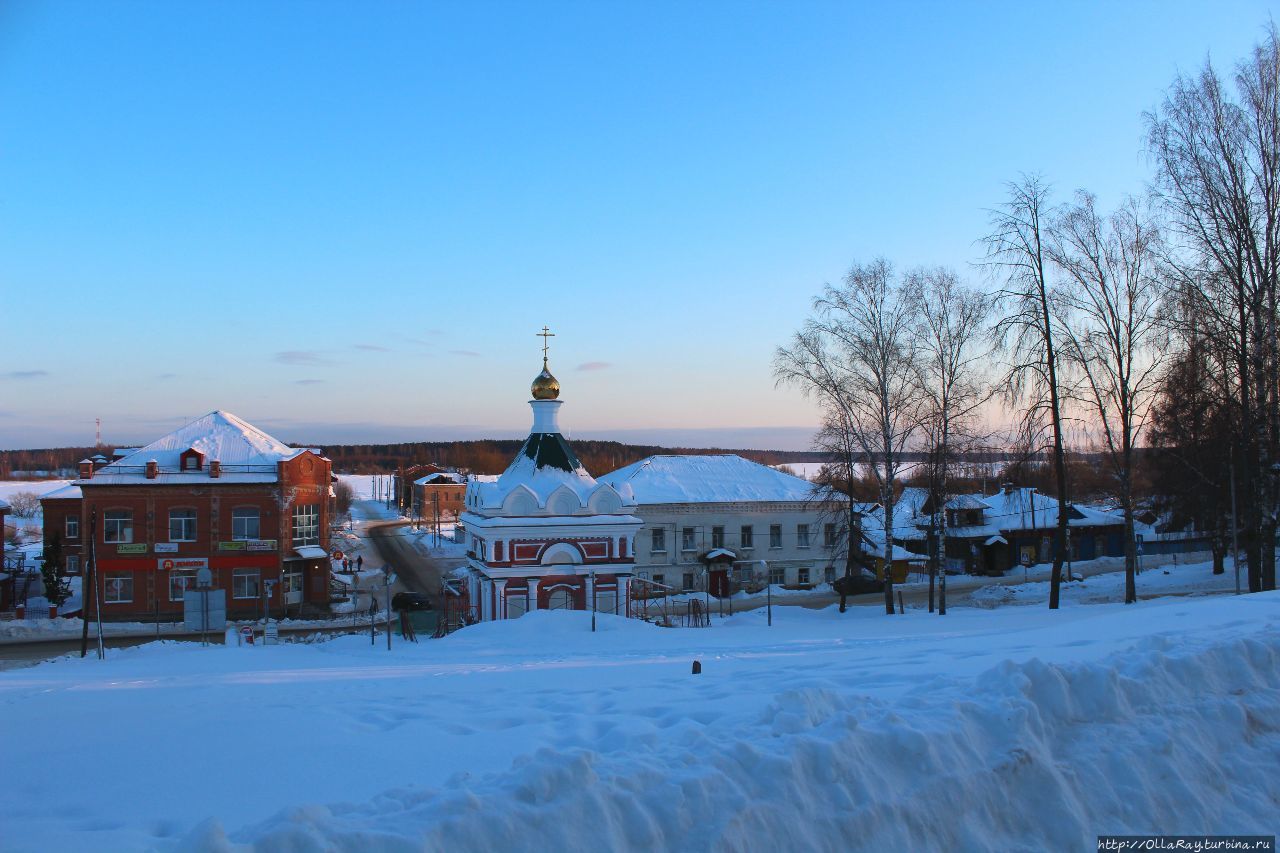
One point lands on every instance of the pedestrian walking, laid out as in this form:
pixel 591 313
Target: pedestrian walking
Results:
pixel 360 563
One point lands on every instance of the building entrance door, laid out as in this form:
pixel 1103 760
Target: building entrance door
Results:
pixel 293 585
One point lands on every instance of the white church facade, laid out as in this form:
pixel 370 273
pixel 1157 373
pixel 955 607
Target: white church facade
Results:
pixel 546 534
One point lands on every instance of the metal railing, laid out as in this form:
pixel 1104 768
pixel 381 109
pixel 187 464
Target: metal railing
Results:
pixel 650 601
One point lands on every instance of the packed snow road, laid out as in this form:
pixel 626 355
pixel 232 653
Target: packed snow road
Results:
pixel 1012 728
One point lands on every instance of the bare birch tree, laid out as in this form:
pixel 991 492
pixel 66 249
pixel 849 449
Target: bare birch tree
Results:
pixel 952 346
pixel 1030 331
pixel 1218 177
pixel 854 355
pixel 1112 292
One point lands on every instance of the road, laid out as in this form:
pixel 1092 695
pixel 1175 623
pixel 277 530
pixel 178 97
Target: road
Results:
pixel 415 571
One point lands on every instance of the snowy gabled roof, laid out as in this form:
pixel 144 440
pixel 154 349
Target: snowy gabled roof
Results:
pixel 246 454
pixel 446 476
pixel 725 478
pixel 1027 509
pixel 68 492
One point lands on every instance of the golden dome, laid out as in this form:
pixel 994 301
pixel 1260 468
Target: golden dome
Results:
pixel 545 386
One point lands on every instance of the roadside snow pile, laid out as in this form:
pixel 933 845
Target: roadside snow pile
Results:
pixel 1013 728
pixel 1170 579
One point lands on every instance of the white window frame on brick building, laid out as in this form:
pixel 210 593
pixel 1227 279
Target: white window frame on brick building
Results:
pixel 306 524
pixel 241 529
pixel 117 526
pixel 246 583
pixel 71 528
pixel 179 583
pixel 117 588
pixel 182 524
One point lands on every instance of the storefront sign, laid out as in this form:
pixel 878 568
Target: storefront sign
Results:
pixel 166 547
pixel 231 546
pixel 136 548
pixel 173 564
pixel 262 545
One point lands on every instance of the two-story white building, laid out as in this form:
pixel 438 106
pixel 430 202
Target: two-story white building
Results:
pixel 701 514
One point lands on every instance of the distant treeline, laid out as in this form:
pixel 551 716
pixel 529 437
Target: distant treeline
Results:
pixel 486 456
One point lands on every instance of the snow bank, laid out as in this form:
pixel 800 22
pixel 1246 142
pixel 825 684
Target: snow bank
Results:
pixel 1013 728
pixel 1043 756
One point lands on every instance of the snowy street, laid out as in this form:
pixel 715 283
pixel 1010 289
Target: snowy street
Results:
pixel 822 732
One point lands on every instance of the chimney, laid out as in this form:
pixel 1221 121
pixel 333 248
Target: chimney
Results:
pixel 86 469
pixel 215 469
pixel 152 469
pixel 1008 488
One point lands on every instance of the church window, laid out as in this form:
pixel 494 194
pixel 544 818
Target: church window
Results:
pixel 688 582
pixel 659 540
pixel 688 539
pixel 717 537
pixel 802 535
pixel 777 577
pixel 804 574
pixel 747 537
pixel 775 535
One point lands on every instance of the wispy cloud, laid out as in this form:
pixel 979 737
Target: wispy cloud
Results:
pixel 164 377
pixel 308 381
pixel 372 348
pixel 25 374
pixel 465 352
pixel 304 357
pixel 594 365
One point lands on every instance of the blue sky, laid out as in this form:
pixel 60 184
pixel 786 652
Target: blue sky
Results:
pixel 347 221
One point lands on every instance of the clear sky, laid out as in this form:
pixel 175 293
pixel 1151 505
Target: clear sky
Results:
pixel 346 222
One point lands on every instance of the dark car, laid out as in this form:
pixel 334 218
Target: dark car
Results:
pixel 858 583
pixel 410 601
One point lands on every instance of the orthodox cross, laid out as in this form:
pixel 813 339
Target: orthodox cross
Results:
pixel 544 334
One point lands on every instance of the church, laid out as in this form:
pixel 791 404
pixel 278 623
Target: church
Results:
pixel 545 534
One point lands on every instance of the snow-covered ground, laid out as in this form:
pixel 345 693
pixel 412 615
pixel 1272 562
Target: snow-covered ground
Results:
pixel 30 528
pixel 1012 728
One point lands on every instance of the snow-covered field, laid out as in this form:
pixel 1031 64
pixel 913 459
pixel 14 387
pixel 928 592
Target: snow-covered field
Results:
pixel 1012 728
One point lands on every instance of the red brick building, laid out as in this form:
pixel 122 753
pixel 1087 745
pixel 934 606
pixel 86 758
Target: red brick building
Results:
pixel 218 493
pixel 438 489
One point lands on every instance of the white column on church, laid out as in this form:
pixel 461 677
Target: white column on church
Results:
pixel 500 601
pixel 533 593
pixel 486 600
pixel 624 596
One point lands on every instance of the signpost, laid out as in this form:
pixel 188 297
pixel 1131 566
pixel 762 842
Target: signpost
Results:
pixel 267 586
pixel 388 579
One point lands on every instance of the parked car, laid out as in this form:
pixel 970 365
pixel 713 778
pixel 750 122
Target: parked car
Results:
pixel 411 601
pixel 858 583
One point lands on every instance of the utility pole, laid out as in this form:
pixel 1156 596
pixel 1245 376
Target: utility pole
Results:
pixel 91 585
pixel 386 577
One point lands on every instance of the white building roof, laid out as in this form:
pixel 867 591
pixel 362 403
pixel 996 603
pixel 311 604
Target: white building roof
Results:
pixel 450 476
pixel 246 454
pixel 724 478
pixel 68 491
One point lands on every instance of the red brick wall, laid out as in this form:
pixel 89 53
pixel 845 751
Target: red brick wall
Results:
pixel 303 480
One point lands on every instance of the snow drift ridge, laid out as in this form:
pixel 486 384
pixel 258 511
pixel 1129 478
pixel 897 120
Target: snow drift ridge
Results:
pixel 1164 738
